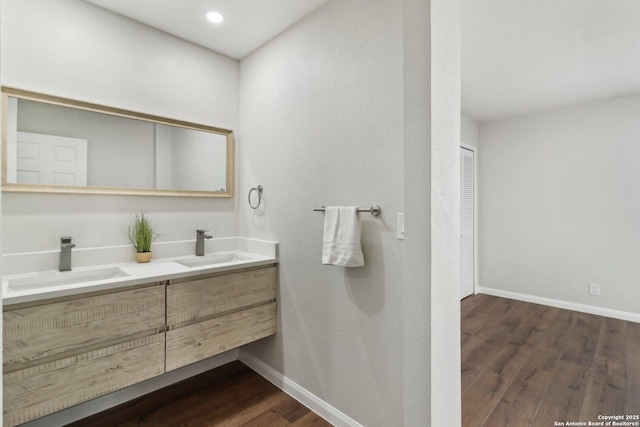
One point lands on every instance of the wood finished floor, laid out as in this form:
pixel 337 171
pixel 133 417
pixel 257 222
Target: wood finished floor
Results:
pixel 531 365
pixel 522 365
pixel 230 396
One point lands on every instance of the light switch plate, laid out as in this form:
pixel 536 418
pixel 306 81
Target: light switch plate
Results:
pixel 401 226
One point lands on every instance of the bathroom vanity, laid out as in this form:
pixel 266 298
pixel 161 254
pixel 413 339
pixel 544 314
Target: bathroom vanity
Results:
pixel 208 315
pixel 82 340
pixel 77 330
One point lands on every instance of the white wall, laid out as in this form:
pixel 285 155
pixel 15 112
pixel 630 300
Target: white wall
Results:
pixel 73 49
pixel 444 233
pixel 164 156
pixel 199 160
pixel 469 131
pixel 559 204
pixel 322 122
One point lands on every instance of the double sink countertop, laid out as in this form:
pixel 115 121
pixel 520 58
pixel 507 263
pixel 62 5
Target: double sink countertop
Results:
pixel 38 284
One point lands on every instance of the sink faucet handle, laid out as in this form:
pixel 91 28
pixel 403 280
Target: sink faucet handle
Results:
pixel 201 233
pixel 66 239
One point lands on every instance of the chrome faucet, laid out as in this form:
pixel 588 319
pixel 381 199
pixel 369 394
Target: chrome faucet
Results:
pixel 65 253
pixel 200 236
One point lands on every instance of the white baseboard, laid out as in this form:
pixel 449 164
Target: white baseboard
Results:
pixel 584 308
pixel 91 407
pixel 310 400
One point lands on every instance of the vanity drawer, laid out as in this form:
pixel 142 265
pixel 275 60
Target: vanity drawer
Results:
pixel 52 329
pixel 190 301
pixel 214 336
pixel 42 389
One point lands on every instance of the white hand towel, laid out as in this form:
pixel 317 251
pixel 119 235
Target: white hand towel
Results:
pixel 341 240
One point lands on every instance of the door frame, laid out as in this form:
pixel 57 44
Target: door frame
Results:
pixel 476 285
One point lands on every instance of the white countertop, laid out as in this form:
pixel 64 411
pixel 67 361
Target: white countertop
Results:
pixel 39 285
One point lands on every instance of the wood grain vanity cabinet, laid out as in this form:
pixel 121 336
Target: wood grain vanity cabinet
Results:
pixel 61 352
pixel 209 315
pixel 58 353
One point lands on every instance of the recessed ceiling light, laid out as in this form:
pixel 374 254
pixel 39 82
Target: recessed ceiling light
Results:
pixel 215 17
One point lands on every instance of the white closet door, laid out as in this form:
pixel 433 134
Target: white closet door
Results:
pixel 466 222
pixel 48 159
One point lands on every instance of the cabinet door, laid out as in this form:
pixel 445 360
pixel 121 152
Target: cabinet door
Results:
pixel 51 329
pixel 43 389
pixel 194 300
pixel 214 336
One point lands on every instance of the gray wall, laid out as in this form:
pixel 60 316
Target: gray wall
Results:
pixel 559 207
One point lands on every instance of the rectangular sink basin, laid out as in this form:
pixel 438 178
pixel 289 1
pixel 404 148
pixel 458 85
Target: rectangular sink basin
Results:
pixel 212 259
pixel 61 278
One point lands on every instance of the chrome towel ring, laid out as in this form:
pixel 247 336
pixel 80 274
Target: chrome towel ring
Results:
pixel 258 191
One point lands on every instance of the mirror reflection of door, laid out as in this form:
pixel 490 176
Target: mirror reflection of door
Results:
pixel 466 222
pixel 49 159
pixel 86 148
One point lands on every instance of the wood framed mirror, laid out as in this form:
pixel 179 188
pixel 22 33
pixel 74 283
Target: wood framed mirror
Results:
pixel 57 145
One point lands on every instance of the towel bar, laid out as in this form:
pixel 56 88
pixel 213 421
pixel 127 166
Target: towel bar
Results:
pixel 374 210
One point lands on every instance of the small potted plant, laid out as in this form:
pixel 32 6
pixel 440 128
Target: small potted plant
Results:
pixel 141 236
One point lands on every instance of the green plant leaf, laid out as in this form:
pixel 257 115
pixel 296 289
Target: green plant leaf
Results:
pixel 141 233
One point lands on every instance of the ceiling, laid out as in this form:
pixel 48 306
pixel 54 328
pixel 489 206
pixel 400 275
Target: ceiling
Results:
pixel 518 56
pixel 522 56
pixel 248 23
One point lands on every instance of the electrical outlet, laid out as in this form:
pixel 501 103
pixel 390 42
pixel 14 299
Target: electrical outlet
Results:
pixel 594 289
